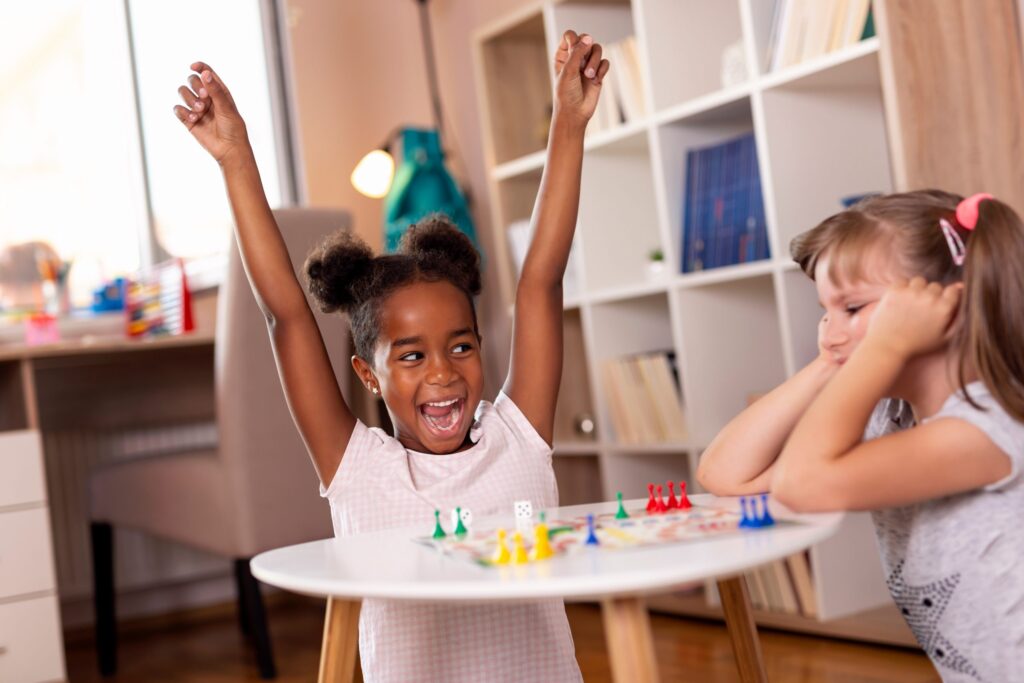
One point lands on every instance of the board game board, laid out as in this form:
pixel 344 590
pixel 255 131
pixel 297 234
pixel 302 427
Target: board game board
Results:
pixel 569 536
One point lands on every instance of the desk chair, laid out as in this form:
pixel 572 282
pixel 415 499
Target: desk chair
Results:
pixel 257 490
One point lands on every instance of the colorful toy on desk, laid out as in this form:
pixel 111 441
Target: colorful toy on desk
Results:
pixel 684 501
pixel 672 504
pixel 519 555
pixel 460 528
pixel 501 553
pixel 660 500
pixel 621 514
pixel 591 531
pixel 438 529
pixel 750 519
pixel 542 543
pixel 652 504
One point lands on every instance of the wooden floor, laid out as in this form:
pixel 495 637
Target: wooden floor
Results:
pixel 207 647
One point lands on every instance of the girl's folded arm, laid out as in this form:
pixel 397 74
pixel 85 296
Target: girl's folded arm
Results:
pixel 741 459
pixel 937 459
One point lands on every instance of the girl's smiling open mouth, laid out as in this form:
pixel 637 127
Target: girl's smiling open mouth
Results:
pixel 443 418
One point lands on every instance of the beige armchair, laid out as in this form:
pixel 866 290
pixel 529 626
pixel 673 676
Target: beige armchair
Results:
pixel 258 490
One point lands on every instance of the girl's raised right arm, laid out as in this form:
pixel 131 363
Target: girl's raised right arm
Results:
pixel 317 405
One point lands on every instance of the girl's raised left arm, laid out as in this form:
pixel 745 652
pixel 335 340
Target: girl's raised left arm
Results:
pixel 536 364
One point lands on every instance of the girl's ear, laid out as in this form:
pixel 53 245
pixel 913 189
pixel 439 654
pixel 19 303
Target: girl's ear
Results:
pixel 365 375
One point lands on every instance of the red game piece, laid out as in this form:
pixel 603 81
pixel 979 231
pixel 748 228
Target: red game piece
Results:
pixel 684 502
pixel 672 502
pixel 660 501
pixel 652 505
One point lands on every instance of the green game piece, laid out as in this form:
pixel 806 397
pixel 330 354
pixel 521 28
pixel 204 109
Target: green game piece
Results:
pixel 621 514
pixel 460 528
pixel 438 530
pixel 543 517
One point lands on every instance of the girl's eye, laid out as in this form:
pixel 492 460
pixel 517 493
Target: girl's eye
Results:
pixel 414 355
pixel 853 310
pixel 462 348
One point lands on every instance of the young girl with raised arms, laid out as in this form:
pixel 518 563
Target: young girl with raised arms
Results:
pixel 417 345
pixel 914 410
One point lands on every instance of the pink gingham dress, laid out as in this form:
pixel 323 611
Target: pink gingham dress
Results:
pixel 380 484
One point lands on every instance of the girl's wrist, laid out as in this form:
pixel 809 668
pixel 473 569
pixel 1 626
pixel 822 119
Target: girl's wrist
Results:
pixel 568 124
pixel 237 157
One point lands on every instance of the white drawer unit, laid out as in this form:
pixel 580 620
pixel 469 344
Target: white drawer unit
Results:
pixel 31 646
pixel 21 468
pixel 26 553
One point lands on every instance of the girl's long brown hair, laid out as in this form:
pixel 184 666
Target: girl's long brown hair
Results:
pixel 905 226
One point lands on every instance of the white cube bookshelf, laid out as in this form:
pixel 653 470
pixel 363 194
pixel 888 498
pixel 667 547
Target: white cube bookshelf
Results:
pixel 737 331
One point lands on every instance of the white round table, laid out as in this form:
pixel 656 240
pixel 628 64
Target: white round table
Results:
pixel 389 564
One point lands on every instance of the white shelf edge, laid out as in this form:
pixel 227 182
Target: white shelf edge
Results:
pixel 575 449
pixel 521 166
pixel 610 136
pixel 680 448
pixel 633 291
pixel 794 73
pixel 705 103
pixel 495 28
pixel 788 265
pixel 740 271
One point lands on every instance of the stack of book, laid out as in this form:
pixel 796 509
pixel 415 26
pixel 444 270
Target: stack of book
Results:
pixel 643 396
pixel 723 211
pixel 784 586
pixel 804 29
pixel 623 98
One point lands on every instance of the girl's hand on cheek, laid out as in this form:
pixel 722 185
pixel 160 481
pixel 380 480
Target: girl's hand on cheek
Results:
pixel 914 317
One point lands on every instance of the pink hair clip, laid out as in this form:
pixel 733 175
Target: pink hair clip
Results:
pixel 967 210
pixel 956 245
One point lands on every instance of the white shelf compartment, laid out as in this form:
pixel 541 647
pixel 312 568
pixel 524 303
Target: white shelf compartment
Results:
pixel 630 471
pixel 682 41
pixel 625 328
pixel 730 118
pixel 618 220
pixel 731 349
pixel 826 138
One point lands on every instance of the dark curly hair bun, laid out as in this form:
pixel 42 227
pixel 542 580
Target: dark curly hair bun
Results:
pixel 440 247
pixel 339 272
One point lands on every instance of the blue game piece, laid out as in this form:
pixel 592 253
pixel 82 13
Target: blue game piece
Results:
pixel 745 519
pixel 766 517
pixel 591 532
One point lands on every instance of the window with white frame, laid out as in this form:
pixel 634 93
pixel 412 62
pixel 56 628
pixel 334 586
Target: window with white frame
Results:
pixel 94 162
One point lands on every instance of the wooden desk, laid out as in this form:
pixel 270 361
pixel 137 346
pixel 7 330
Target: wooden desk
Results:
pixel 98 385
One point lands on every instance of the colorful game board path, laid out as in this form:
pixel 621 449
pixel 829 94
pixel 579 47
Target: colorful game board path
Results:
pixel 387 564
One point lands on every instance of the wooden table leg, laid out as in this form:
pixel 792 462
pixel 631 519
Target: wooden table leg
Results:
pixel 627 631
pixel 341 641
pixel 739 618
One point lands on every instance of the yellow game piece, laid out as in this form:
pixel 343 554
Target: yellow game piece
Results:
pixel 542 545
pixel 520 556
pixel 501 553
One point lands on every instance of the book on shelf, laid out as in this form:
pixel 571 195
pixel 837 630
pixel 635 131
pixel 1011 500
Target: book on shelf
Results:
pixel 519 234
pixel 783 586
pixel 643 398
pixel 723 209
pixel 623 97
pixel 805 29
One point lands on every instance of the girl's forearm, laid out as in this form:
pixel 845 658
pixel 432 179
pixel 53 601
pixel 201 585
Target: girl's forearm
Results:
pixel 263 250
pixel 554 217
pixel 746 448
pixel 834 422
